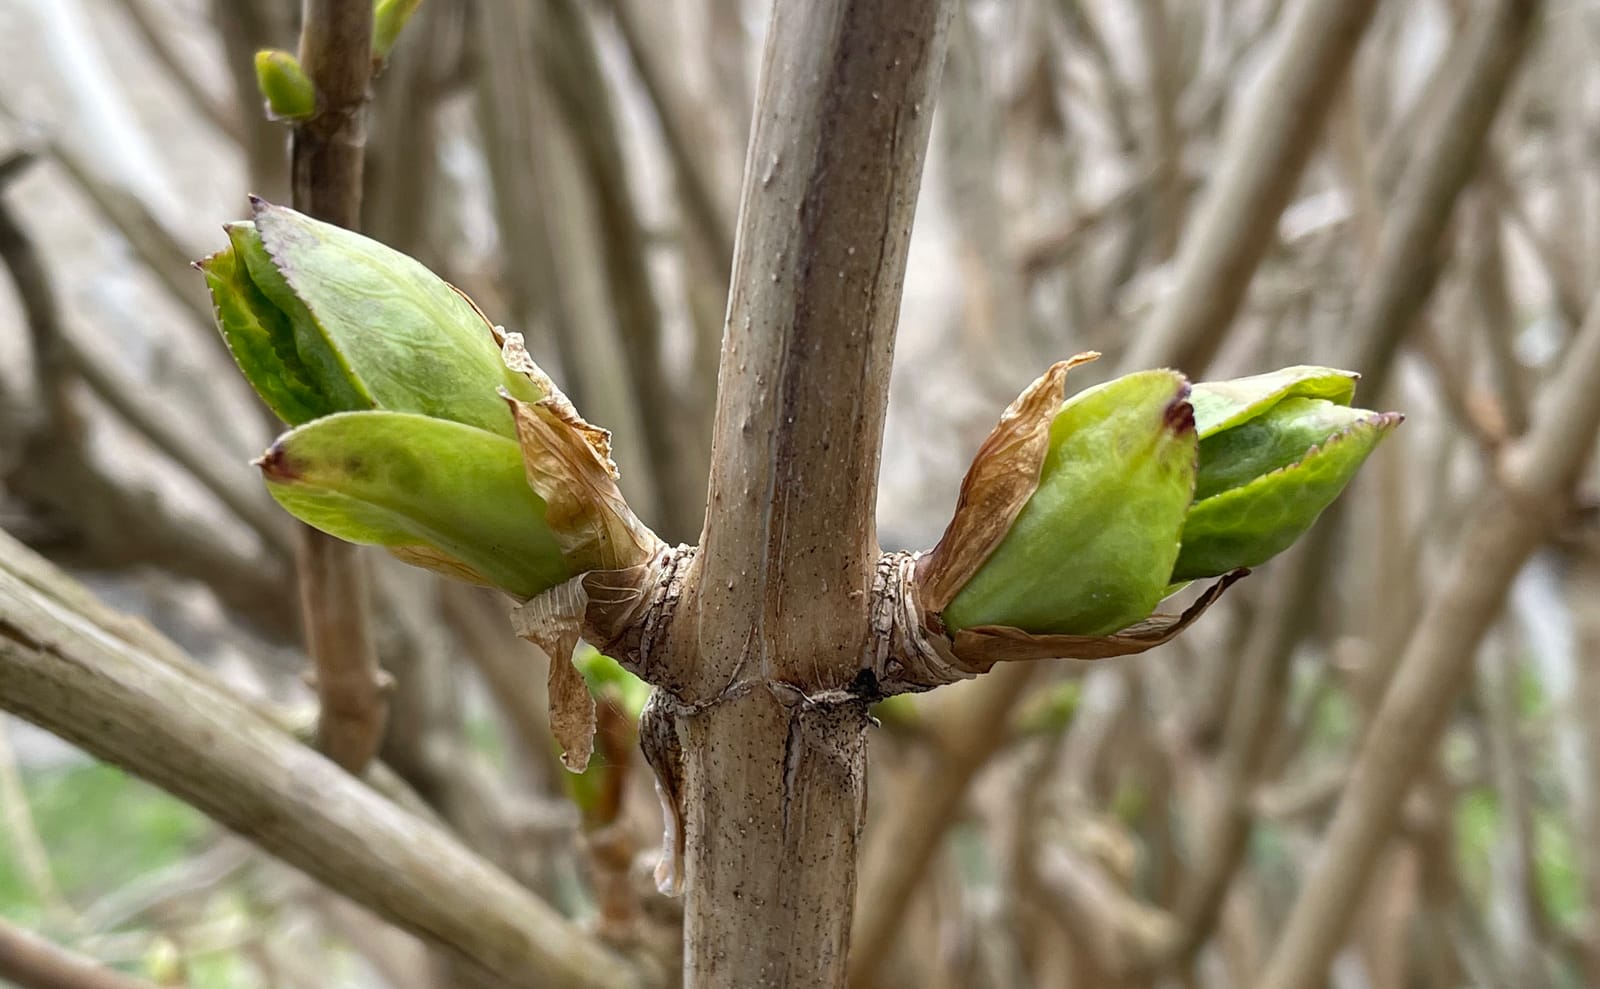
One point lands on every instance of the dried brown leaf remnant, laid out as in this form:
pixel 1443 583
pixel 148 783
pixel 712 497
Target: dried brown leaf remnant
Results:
pixel 553 621
pixel 568 462
pixel 1003 476
pixel 985 645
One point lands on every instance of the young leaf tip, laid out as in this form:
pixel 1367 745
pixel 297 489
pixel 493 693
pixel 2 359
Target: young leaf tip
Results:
pixel 1178 416
pixel 275 464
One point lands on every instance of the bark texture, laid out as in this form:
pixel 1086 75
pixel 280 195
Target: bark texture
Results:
pixel 762 713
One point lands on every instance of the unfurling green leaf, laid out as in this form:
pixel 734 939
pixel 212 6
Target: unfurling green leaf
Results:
pixel 1093 548
pixel 1275 450
pixel 289 92
pixel 1250 522
pixel 437 493
pixel 1220 405
pixel 1275 439
pixel 324 320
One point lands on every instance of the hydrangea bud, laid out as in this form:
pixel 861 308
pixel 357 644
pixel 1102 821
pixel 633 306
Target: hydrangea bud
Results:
pixel 1077 517
pixel 420 427
pixel 289 93
pixel 1275 451
pixel 1091 550
pixel 439 494
pixel 321 320
pixel 389 17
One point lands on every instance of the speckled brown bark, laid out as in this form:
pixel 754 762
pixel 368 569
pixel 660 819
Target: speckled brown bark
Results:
pixel 774 616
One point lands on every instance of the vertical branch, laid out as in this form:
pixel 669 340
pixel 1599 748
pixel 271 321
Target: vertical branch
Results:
pixel 325 174
pixel 773 618
pixel 326 155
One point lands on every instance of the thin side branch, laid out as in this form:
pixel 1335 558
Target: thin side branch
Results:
pixel 1507 525
pixel 325 172
pixel 30 962
pixel 127 696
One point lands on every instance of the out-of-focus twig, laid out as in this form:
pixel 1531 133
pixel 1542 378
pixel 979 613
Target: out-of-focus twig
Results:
pixel 1252 724
pixel 1497 314
pixel 109 524
pixel 151 240
pixel 155 36
pixel 23 836
pixel 904 842
pixel 1267 145
pixel 1425 195
pixel 510 667
pixel 30 962
pixel 570 60
pixel 701 206
pixel 177 728
pixel 167 434
pixel 1509 521
pixel 1563 274
pixel 325 175
pixel 59 356
pixel 1513 865
pixel 1584 591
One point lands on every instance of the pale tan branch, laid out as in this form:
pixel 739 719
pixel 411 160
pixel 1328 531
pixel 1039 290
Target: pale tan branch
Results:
pixel 1267 145
pixel 1507 525
pixel 773 625
pixel 1408 259
pixel 161 719
pixel 163 255
pixel 30 962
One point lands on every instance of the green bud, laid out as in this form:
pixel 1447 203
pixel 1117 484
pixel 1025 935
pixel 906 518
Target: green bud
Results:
pixel 608 680
pixel 388 19
pixel 289 92
pixel 1091 550
pixel 1275 451
pixel 323 320
pixel 439 494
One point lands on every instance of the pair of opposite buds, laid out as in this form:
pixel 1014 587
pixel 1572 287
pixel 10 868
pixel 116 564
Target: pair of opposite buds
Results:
pixel 421 427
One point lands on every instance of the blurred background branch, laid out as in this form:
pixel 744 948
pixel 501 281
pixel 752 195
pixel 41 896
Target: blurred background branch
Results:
pixel 1375 765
